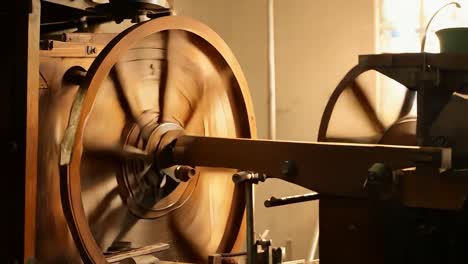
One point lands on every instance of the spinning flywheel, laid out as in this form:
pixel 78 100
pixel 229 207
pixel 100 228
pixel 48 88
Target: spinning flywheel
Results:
pixel 160 78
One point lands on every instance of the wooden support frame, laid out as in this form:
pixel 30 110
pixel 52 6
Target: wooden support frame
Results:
pixel 19 113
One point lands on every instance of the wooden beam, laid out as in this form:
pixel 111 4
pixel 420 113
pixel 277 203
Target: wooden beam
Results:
pixel 328 168
pixel 19 73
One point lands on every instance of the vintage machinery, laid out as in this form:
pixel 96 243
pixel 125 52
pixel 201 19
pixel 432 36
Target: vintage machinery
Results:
pixel 145 150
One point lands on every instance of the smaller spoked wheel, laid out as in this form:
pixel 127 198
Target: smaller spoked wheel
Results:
pixel 350 114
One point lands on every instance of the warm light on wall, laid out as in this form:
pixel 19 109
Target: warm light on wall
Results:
pixel 403 22
pixel 401 29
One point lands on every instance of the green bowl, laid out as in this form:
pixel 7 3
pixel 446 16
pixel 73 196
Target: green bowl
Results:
pixel 453 40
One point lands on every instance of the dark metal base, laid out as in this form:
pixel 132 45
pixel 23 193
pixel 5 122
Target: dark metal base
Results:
pixel 357 231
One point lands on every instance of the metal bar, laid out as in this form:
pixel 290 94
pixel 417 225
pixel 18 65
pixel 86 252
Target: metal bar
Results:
pixel 273 201
pixel 247 179
pixel 271 71
pixel 327 168
pixel 234 254
pixel 249 198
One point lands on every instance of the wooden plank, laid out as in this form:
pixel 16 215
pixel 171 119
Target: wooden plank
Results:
pixel 18 129
pixel 317 166
pixel 32 130
pixel 97 38
pixel 54 48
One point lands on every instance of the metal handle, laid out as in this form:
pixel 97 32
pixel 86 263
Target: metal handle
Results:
pixel 273 201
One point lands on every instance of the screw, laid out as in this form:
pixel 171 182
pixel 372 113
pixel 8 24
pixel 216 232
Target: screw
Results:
pixel 91 50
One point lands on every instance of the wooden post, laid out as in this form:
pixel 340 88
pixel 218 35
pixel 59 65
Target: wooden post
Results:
pixel 19 72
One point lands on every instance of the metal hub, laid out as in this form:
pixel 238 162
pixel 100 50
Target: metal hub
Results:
pixel 150 192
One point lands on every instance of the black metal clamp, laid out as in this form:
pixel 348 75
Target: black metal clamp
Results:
pixel 380 181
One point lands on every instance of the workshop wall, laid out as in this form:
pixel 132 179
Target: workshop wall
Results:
pixel 242 24
pixel 317 42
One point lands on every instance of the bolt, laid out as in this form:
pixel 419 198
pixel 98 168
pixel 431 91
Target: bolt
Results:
pixel 91 50
pixel 184 173
pixel 288 168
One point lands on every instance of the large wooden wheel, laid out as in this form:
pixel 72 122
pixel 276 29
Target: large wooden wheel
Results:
pixel 158 76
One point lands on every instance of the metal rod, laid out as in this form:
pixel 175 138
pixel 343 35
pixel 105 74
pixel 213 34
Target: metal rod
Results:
pixel 271 71
pixel 273 201
pixel 234 254
pixel 251 248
